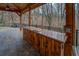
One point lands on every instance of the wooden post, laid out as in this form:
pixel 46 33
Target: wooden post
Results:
pixel 20 15
pixel 20 21
pixel 29 16
pixel 70 28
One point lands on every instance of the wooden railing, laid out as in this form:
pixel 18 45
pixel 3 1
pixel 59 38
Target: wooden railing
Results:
pixel 46 45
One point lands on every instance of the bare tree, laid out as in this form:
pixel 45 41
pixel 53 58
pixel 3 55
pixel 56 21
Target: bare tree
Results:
pixel 1 17
pixel 47 12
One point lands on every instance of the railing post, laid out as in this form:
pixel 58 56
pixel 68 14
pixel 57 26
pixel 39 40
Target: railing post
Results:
pixel 29 17
pixel 70 25
pixel 76 37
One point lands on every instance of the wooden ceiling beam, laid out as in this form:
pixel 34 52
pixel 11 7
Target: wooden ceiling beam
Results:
pixel 4 9
pixel 13 6
pixel 27 6
pixel 10 9
pixel 18 10
pixel 35 5
pixel 17 7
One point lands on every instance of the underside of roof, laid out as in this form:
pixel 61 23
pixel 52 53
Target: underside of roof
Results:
pixel 18 7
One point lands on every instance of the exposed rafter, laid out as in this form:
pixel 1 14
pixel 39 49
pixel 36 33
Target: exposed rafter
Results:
pixel 11 10
pixel 18 8
pixel 33 6
pixel 27 6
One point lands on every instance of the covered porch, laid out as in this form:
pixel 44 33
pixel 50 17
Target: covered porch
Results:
pixel 37 29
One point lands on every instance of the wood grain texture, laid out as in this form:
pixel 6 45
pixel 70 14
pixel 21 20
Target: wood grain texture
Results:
pixel 44 45
pixel 70 22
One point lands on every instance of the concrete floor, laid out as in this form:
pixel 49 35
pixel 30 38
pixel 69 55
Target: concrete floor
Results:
pixel 12 44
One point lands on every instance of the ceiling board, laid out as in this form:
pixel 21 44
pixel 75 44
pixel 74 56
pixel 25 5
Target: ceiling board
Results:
pixel 18 7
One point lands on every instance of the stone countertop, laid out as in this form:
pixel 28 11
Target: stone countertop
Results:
pixel 49 33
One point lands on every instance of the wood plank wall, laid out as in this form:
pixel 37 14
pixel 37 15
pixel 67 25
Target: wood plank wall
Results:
pixel 44 45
